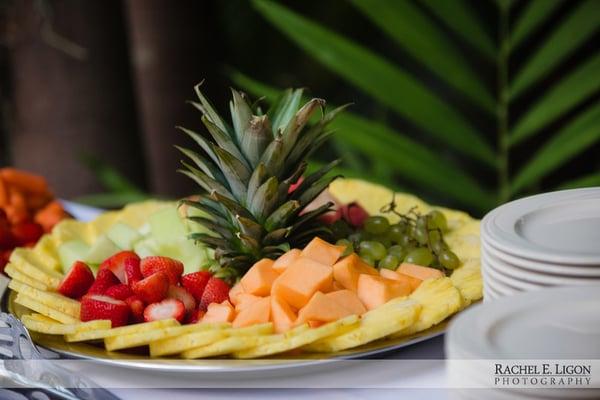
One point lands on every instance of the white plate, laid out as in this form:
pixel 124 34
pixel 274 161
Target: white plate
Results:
pixel 522 278
pixel 568 270
pixel 559 227
pixel 529 325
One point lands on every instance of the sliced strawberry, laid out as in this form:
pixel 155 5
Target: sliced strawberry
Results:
pixel 104 279
pixel 196 282
pixel 119 292
pixel 354 214
pixel 168 308
pixel 117 263
pixel 216 291
pixel 179 293
pixel 136 307
pixel 153 288
pixel 26 232
pixel 132 270
pixel 77 281
pixel 103 307
pixel 173 268
pixel 195 316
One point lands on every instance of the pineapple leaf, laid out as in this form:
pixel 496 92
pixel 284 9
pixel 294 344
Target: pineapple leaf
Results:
pixel 311 193
pixel 310 216
pixel 258 178
pixel 203 143
pixel 298 122
pixel 274 157
pixel 256 138
pixel 241 112
pixel 232 206
pixel 206 166
pixel 209 240
pixel 223 140
pixel 207 109
pixel 249 227
pixel 281 215
pixel 214 225
pixel 285 109
pixel 236 173
pixel 315 177
pixel 265 199
pixel 276 236
pixel 206 182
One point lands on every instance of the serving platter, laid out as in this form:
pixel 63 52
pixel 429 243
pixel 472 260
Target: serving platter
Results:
pixel 141 361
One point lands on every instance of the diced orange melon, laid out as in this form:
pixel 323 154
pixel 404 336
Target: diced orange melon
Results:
pixel 321 308
pixel 349 300
pixel 244 300
pixel 286 260
pixel 322 252
pixel 315 324
pixel 282 315
pixel 347 270
pixel 337 286
pixel 397 276
pixel 259 278
pixel 235 291
pixel 258 312
pixel 301 280
pixel 374 290
pixel 419 272
pixel 219 312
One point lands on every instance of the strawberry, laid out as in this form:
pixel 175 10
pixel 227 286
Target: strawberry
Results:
pixel 132 270
pixel 196 282
pixel 7 240
pixel 168 308
pixel 179 293
pixel 136 308
pixel 354 214
pixel 26 232
pixel 173 268
pixel 104 279
pixel 119 292
pixel 195 316
pixel 216 291
pixel 77 281
pixel 96 306
pixel 153 288
pixel 117 263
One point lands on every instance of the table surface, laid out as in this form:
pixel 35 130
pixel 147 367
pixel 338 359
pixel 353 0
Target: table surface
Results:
pixel 433 376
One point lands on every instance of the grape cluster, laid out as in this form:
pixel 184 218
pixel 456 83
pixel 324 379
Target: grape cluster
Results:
pixel 416 239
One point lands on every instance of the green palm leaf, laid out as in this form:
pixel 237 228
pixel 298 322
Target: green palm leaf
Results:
pixel 576 136
pixel 574 30
pixel 584 181
pixel 412 30
pixel 382 80
pixel 535 14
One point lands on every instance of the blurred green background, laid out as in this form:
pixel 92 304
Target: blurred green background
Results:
pixel 465 103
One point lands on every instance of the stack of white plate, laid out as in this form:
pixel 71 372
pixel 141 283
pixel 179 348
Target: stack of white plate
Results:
pixel 552 239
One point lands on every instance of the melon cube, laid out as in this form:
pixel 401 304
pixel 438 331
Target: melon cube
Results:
pixel 234 292
pixel 397 276
pixel 348 269
pixel 373 290
pixel 301 280
pixel 419 272
pixel 259 278
pixel 321 308
pixel 286 259
pixel 219 312
pixel 244 300
pixel 349 300
pixel 258 312
pixel 282 315
pixel 322 252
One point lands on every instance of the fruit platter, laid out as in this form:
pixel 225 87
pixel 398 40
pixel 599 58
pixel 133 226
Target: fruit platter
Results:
pixel 268 261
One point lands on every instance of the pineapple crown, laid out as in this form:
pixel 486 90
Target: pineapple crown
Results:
pixel 248 211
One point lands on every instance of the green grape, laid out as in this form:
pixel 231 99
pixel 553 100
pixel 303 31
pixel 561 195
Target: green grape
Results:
pixel 389 262
pixel 368 259
pixel 356 238
pixel 376 225
pixel 405 241
pixel 438 246
pixel 421 234
pixel 411 231
pixel 384 240
pixel 422 222
pixel 397 251
pixel 448 259
pixel 372 249
pixel 420 256
pixel 340 229
pixel 438 220
pixel 348 245
pixel 396 232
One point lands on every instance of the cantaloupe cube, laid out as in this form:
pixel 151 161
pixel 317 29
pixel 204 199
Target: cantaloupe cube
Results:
pixel 373 290
pixel 315 324
pixel 349 300
pixel 234 292
pixel 337 286
pixel 244 300
pixel 301 280
pixel 282 315
pixel 397 276
pixel 286 260
pixel 347 270
pixel 259 278
pixel 322 251
pixel 419 272
pixel 219 312
pixel 321 308
pixel 258 312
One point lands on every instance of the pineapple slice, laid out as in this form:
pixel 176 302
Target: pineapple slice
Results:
pixel 468 280
pixel 439 299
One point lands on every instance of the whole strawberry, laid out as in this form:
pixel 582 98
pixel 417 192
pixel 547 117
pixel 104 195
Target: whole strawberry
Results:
pixel 196 282
pixel 173 268
pixel 216 291
pixel 95 307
